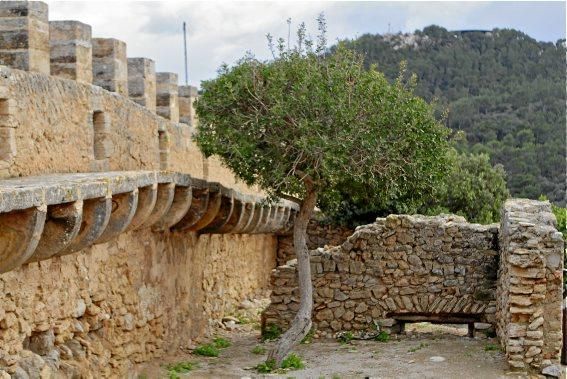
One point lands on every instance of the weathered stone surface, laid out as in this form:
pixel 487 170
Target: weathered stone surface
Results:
pixel 70 49
pixel 142 82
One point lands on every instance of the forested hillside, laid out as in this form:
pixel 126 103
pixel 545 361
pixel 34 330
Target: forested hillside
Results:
pixel 503 89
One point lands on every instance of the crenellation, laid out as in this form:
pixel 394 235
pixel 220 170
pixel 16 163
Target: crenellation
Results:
pixel 24 35
pixel 70 44
pixel 187 97
pixel 110 66
pixel 142 82
pixel 167 96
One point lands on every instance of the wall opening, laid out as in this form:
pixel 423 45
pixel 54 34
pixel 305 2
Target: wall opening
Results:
pixel 163 144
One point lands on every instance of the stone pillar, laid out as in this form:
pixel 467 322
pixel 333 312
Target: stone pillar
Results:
pixel 71 50
pixel 167 96
pixel 110 67
pixel 142 82
pixel 187 95
pixel 530 281
pixel 24 35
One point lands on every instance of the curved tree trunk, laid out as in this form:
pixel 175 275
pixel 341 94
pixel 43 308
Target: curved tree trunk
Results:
pixel 301 324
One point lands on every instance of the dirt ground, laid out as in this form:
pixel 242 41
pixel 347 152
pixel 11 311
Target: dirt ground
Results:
pixel 404 356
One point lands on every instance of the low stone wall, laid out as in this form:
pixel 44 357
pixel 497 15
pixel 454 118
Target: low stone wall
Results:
pixel 416 266
pixel 124 302
pixel 318 235
pixel 530 285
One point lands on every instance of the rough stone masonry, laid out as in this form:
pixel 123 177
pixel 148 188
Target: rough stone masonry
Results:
pixel 414 268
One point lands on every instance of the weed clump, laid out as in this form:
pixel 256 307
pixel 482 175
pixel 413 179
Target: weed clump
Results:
pixel 345 338
pixel 291 362
pixel 271 332
pixel 221 343
pixel 382 337
pixel 207 350
pixel 259 350
pixel 174 369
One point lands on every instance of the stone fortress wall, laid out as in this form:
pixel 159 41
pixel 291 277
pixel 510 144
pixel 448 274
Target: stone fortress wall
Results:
pixel 97 159
pixel 441 269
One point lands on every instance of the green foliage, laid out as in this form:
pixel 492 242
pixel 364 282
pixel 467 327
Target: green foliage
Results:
pixel 221 343
pixel 207 350
pixel 271 332
pixel 419 347
pixel 345 337
pixel 259 350
pixel 308 337
pixel 472 188
pixel 293 361
pixel 382 337
pixel 179 368
pixel 492 347
pixel 503 89
pixel 266 367
pixel 323 118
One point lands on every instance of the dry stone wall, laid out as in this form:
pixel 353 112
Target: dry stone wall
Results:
pixel 98 313
pixel 530 285
pixel 415 266
pixel 442 269
pixel 318 235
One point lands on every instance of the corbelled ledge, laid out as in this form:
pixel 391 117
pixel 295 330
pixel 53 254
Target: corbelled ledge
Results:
pixel 54 215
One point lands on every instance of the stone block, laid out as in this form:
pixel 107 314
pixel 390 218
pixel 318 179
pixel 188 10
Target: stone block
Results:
pixel 187 97
pixel 142 82
pixel 167 96
pixel 24 35
pixel 110 66
pixel 70 45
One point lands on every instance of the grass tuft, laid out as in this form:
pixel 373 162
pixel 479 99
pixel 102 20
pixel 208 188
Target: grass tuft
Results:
pixel 221 343
pixel 208 350
pixel 382 337
pixel 259 350
pixel 271 332
pixel 174 369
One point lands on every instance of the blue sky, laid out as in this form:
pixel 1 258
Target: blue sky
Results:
pixel 222 31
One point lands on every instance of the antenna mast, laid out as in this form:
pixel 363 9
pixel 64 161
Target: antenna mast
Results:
pixel 185 50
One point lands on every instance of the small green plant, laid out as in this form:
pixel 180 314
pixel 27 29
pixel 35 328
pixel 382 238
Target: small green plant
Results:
pixel 293 361
pixel 271 332
pixel 336 376
pixel 174 369
pixel 259 350
pixel 490 333
pixel 382 337
pixel 207 350
pixel 421 346
pixel 345 338
pixel 309 337
pixel 221 343
pixel 492 347
pixel 266 367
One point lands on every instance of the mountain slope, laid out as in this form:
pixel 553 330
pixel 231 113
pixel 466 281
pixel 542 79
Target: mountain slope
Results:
pixel 503 89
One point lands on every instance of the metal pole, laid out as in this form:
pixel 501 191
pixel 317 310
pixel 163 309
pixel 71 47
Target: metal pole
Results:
pixel 185 50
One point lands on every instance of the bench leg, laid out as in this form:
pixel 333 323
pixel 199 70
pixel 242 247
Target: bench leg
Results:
pixel 471 330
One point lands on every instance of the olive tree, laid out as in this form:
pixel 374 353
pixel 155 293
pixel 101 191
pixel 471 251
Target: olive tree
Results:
pixel 307 124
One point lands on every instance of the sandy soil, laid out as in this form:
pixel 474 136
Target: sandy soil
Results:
pixel 405 356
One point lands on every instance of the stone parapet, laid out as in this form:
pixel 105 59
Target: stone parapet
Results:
pixel 167 98
pixel 71 50
pixel 55 215
pixel 110 66
pixel 530 281
pixel 142 82
pixel 24 35
pixel 187 97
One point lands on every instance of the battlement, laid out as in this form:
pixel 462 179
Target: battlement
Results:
pixel 66 49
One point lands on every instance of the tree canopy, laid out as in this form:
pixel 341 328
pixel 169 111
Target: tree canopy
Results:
pixel 312 126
